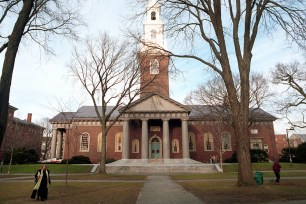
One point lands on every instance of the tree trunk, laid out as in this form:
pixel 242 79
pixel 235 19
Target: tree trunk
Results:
pixel 241 124
pixel 102 169
pixel 9 63
pixel 245 171
pixel 10 164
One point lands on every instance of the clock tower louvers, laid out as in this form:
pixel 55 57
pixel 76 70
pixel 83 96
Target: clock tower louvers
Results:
pixel 154 61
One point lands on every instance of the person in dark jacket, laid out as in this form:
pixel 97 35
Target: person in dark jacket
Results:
pixel 42 179
pixel 276 168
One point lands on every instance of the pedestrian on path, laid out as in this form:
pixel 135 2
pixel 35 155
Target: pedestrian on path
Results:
pixel 276 168
pixel 42 179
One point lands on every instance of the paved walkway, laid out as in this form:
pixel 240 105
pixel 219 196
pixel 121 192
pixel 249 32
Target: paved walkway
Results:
pixel 161 189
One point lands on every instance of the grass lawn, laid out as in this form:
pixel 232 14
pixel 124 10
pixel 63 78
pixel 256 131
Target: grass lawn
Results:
pixel 230 172
pixel 226 191
pixel 265 167
pixel 128 188
pixel 76 193
pixel 54 168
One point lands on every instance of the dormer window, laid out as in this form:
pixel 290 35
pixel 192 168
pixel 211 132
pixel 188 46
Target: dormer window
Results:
pixel 153 15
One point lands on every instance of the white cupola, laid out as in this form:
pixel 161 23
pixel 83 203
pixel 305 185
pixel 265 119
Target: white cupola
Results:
pixel 153 26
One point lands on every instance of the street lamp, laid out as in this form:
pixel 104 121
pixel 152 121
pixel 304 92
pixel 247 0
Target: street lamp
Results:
pixel 290 157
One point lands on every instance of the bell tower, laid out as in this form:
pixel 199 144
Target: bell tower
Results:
pixel 153 59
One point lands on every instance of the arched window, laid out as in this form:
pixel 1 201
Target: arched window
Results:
pixel 208 142
pixel 153 34
pixel 153 15
pixel 84 143
pixel 175 146
pixel 118 142
pixel 256 143
pixel 192 141
pixel 226 141
pixel 135 146
pixel 154 66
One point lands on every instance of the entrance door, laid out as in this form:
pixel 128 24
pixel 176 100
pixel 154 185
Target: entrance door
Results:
pixel 155 149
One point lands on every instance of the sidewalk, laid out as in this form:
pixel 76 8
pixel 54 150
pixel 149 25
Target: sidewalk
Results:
pixel 161 189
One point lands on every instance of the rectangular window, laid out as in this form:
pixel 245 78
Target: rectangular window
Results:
pixel 254 131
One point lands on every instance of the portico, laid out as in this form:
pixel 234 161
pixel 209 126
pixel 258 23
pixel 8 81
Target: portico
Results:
pixel 155 112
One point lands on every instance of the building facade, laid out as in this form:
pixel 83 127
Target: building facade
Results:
pixel 156 127
pixel 22 133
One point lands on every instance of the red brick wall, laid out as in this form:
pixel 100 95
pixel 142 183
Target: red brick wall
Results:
pixel 265 130
pixel 154 83
pixel 281 143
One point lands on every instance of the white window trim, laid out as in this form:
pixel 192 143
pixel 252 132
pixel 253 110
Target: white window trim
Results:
pixel 81 142
pixel 178 146
pixel 135 142
pixel 210 136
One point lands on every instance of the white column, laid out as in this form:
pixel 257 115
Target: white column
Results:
pixel 166 143
pixel 59 145
pixel 185 139
pixel 64 144
pixel 53 143
pixel 125 140
pixel 144 139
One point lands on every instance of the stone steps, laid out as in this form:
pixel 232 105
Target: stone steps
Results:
pixel 166 167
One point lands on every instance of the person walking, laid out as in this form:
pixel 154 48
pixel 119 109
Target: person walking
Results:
pixel 276 168
pixel 42 179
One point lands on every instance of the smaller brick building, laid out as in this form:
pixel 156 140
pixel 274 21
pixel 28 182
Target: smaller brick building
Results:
pixel 22 133
pixel 281 143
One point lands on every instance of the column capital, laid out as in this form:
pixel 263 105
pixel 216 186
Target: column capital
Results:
pixel 166 119
pixel 184 118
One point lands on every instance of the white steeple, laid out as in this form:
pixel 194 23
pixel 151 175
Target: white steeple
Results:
pixel 153 26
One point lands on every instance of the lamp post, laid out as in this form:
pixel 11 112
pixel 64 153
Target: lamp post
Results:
pixel 290 157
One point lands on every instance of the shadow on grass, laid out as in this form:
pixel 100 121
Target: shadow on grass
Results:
pixel 119 192
pixel 227 192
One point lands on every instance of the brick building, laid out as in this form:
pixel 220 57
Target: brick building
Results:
pixel 22 133
pixel 281 143
pixel 297 139
pixel 156 126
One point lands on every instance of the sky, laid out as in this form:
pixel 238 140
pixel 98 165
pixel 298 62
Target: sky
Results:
pixel 41 80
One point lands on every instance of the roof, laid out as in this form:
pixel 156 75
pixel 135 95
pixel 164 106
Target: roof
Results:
pixel 25 122
pixel 157 100
pixel 12 107
pixel 213 112
pixel 198 112
pixel 302 136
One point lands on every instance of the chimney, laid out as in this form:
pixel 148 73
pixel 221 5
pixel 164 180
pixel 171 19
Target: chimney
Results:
pixel 29 119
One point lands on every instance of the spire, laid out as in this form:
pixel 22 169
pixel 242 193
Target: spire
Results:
pixel 151 3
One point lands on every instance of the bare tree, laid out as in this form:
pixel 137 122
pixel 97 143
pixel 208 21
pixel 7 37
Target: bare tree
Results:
pixel 214 94
pixel 109 71
pixel 13 138
pixel 36 20
pixel 47 136
pixel 223 28
pixel 66 117
pixel 293 77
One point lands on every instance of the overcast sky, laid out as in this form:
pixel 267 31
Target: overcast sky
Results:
pixel 38 78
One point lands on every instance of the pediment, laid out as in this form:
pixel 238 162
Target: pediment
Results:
pixel 156 103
